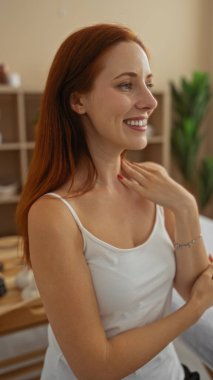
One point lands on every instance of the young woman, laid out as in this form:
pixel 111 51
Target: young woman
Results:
pixel 108 239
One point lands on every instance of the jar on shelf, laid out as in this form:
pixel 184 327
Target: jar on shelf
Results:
pixel 3 74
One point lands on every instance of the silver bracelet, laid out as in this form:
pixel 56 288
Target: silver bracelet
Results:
pixel 189 244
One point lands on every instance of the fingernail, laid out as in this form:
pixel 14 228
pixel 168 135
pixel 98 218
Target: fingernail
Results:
pixel 120 176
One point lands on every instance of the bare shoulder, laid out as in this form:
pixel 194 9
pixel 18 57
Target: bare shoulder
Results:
pixel 49 217
pixel 45 205
pixel 51 222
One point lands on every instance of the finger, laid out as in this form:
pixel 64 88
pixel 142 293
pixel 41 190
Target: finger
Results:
pixel 134 173
pixel 134 165
pixel 131 184
pixel 145 172
pixel 148 167
pixel 209 271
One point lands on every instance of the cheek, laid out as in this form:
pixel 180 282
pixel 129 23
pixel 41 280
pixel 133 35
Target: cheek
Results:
pixel 115 103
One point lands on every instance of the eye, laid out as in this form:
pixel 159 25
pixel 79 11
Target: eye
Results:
pixel 150 85
pixel 126 86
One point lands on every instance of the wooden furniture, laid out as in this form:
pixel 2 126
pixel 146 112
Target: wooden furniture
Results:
pixel 16 315
pixel 18 115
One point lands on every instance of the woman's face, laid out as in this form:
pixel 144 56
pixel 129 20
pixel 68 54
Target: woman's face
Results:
pixel 117 109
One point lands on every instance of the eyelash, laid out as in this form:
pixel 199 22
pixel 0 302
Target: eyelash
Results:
pixel 128 86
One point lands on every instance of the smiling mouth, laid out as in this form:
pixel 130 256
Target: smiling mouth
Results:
pixel 138 125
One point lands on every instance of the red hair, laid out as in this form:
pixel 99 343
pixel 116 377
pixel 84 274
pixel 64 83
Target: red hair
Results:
pixel 60 140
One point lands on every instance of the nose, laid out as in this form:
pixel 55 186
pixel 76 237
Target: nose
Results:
pixel 146 100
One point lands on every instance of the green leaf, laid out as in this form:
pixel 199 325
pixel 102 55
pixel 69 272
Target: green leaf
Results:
pixel 206 181
pixel 189 106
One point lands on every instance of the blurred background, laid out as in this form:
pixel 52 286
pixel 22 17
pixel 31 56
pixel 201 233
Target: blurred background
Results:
pixel 179 37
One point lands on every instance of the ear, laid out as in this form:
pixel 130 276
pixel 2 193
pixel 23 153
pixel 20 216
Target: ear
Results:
pixel 77 104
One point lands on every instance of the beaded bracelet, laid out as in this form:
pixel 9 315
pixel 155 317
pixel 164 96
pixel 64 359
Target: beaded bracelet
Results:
pixel 189 244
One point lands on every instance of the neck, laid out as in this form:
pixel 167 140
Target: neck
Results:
pixel 107 170
pixel 107 167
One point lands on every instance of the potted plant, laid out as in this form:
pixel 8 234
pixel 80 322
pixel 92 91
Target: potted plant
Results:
pixel 189 107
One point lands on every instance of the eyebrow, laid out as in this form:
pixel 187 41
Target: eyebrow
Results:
pixel 132 74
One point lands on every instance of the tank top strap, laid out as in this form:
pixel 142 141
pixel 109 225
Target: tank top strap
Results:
pixel 160 213
pixel 73 212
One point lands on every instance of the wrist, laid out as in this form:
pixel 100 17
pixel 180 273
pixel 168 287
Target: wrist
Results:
pixel 186 208
pixel 195 307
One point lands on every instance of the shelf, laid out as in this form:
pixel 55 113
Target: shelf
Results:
pixel 10 146
pixel 16 146
pixel 10 199
pixel 155 140
pixel 5 89
pixel 9 117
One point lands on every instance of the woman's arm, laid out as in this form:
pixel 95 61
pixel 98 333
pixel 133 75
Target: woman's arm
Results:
pixel 190 262
pixel 65 284
pixel 182 219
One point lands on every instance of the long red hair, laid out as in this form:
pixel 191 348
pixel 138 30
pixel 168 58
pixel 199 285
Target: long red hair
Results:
pixel 60 139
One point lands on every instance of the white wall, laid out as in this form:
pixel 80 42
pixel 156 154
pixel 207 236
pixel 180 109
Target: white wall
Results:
pixel 174 30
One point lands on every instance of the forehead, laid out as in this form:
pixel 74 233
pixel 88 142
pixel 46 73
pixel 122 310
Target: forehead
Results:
pixel 124 57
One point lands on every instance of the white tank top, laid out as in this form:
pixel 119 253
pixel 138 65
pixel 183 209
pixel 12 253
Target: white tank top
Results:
pixel 133 287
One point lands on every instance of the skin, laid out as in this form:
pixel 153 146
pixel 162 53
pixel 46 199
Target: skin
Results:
pixel 56 245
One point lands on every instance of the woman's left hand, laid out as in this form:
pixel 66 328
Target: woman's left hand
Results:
pixel 152 181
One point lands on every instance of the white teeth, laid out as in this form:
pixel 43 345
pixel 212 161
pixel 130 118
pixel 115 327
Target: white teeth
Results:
pixel 139 123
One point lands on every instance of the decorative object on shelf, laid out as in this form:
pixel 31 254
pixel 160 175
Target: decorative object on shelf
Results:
pixel 24 281
pixel 14 275
pixel 9 78
pixel 189 107
pixel 7 191
pixel 3 74
pixel 14 79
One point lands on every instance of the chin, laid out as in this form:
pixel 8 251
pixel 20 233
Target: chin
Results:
pixel 137 145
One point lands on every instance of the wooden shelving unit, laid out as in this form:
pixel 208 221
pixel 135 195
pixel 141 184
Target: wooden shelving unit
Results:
pixel 18 114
